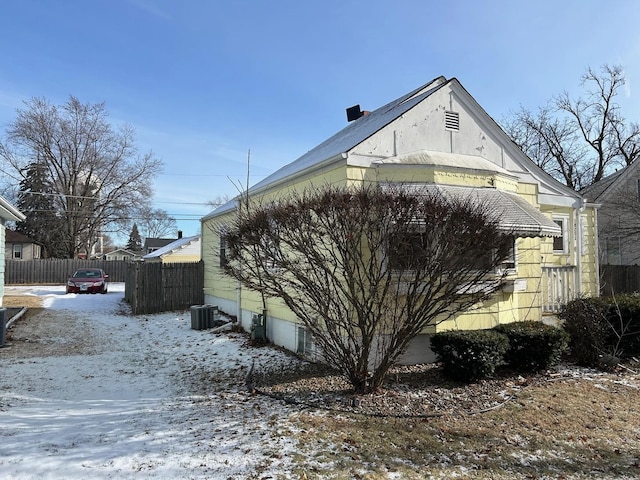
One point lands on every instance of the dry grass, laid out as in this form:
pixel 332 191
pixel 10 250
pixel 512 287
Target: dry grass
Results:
pixel 565 429
pixel 15 301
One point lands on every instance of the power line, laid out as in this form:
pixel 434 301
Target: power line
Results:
pixel 207 175
pixel 206 204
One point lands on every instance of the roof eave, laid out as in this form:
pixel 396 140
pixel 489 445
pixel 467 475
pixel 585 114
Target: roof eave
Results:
pixel 9 212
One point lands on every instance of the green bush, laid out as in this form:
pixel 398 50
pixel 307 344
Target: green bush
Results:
pixel 533 346
pixel 601 327
pixel 470 355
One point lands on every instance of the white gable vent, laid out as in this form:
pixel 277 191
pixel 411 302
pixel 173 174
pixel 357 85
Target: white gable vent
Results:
pixel 452 121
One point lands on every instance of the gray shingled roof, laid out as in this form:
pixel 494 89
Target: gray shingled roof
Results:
pixel 156 242
pixel 358 131
pixel 347 138
pixel 594 191
pixel 11 236
pixel 512 212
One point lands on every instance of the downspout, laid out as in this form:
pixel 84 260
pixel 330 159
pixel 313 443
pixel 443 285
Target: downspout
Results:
pixel 239 289
pixel 579 244
pixel 597 249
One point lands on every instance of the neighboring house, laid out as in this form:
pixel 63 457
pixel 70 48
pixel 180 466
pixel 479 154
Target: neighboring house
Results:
pixel 122 254
pixel 8 213
pixel 186 249
pixel 20 247
pixel 436 135
pixel 618 215
pixel 153 244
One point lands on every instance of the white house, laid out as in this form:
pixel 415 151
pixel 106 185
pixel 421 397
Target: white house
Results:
pixel 618 216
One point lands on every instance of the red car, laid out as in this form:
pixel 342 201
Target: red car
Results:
pixel 88 280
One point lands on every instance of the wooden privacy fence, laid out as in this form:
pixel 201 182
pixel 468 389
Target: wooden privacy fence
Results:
pixel 50 271
pixel 163 287
pixel 615 279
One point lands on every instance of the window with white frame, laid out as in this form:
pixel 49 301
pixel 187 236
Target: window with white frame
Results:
pixel 510 263
pixel 406 248
pixel 223 246
pixel 17 251
pixel 612 249
pixel 561 243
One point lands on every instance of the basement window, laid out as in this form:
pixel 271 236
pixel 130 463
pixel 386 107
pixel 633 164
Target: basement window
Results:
pixel 306 343
pixel 452 121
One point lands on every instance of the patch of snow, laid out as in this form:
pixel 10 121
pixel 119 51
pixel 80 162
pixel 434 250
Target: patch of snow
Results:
pixel 155 399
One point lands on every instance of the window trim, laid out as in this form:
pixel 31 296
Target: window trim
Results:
pixel 18 250
pixel 222 246
pixel 609 241
pixel 513 259
pixel 563 222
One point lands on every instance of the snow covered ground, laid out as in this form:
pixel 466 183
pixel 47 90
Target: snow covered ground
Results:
pixel 135 397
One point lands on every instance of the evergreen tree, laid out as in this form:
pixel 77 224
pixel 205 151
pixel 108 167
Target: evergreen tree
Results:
pixel 135 242
pixel 42 222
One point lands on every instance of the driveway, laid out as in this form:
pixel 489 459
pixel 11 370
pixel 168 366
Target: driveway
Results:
pixel 89 391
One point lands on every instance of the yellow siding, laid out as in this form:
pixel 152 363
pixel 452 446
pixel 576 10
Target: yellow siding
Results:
pixel 590 271
pixel 177 258
pixel 219 285
pixel 522 301
pixel 215 283
pixel 420 174
pixel 507 306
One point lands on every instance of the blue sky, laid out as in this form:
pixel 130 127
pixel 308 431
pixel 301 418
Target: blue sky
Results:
pixel 203 82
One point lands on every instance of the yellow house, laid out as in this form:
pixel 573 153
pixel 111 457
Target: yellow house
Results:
pixel 182 250
pixel 436 136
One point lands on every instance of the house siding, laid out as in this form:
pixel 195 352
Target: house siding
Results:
pixel 29 251
pixel 222 290
pixel 619 209
pixel 189 253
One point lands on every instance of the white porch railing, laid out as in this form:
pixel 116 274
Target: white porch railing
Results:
pixel 558 287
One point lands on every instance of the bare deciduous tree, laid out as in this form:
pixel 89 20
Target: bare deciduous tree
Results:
pixel 97 176
pixel 579 141
pixel 366 270
pixel 156 223
pixel 219 200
